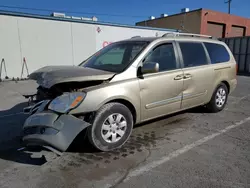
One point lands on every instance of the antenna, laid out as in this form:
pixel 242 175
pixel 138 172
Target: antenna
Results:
pixel 183 22
pixel 229 5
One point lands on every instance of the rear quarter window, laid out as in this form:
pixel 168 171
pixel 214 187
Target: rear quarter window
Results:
pixel 217 52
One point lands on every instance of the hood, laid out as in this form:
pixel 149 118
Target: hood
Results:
pixel 51 75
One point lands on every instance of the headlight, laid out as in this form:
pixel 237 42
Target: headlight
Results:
pixel 67 102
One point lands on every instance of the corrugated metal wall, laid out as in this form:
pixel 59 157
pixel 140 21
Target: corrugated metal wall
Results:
pixel 240 47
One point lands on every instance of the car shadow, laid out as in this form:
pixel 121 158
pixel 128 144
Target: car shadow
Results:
pixel 18 108
pixel 82 145
pixel 11 122
pixel 22 157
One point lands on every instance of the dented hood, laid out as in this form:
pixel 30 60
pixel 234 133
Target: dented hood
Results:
pixel 51 75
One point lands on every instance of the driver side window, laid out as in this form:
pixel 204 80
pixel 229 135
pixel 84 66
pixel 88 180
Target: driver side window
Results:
pixel 164 55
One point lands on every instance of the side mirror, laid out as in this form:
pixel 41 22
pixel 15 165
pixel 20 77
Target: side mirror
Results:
pixel 150 67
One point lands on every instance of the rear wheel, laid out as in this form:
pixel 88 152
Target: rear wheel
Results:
pixel 219 98
pixel 111 127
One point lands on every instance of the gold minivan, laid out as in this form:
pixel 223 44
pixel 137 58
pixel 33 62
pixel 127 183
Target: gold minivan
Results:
pixel 126 83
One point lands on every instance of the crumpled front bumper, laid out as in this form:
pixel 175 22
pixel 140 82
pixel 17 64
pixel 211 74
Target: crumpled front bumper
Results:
pixel 52 130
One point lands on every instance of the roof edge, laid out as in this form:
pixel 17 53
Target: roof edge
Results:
pixel 196 10
pixel 209 10
pixel 44 17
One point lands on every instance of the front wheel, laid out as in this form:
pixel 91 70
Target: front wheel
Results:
pixel 219 99
pixel 111 127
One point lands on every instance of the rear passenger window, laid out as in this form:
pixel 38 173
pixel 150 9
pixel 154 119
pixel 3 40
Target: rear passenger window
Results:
pixel 217 53
pixel 193 54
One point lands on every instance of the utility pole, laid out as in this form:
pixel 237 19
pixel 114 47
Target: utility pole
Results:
pixel 229 5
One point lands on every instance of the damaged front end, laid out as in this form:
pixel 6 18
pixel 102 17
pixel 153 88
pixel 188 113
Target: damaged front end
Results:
pixel 52 130
pixel 61 89
pixel 37 101
pixel 51 126
pixel 36 107
pixel 53 81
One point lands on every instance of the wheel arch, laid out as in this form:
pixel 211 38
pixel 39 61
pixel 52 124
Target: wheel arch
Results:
pixel 215 87
pixel 128 104
pixel 227 84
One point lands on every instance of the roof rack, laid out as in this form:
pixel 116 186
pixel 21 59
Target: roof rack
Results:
pixel 174 34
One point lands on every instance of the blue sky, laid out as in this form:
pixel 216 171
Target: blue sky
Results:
pixel 131 10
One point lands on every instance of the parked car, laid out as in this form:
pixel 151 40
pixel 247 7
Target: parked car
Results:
pixel 126 83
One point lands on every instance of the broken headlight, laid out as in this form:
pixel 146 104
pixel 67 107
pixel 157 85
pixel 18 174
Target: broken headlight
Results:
pixel 67 102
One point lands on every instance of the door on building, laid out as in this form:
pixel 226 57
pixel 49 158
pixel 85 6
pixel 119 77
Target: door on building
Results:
pixel 216 29
pixel 237 31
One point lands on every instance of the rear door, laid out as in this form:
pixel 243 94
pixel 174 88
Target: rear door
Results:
pixel 198 73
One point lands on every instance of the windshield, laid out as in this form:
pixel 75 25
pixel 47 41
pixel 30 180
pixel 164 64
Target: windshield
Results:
pixel 115 57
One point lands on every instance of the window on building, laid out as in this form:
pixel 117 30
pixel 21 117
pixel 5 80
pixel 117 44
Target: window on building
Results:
pixel 164 55
pixel 217 53
pixel 193 54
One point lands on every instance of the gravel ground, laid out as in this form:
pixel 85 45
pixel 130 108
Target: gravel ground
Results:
pixel 188 149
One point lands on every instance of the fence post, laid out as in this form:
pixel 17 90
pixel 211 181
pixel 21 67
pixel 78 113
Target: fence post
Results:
pixel 1 67
pixel 24 64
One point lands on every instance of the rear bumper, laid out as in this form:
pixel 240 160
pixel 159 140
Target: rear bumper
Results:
pixel 52 130
pixel 233 84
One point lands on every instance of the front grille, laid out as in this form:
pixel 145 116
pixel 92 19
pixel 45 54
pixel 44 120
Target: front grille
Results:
pixel 32 130
pixel 40 130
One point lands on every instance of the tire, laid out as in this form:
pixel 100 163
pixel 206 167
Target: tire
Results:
pixel 214 105
pixel 103 134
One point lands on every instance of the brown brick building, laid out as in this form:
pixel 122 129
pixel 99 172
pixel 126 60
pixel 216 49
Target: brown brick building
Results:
pixel 203 21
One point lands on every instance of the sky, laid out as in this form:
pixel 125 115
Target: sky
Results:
pixel 124 12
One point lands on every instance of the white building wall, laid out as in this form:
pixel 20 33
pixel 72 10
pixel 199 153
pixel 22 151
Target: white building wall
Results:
pixel 84 45
pixel 10 46
pixel 45 42
pixel 49 42
pixel 109 34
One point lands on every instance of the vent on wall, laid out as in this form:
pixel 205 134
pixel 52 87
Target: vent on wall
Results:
pixel 76 18
pixel 151 17
pixel 185 10
pixel 90 19
pixel 62 15
pixel 57 14
pixel 164 15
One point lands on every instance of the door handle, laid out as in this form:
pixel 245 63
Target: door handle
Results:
pixel 178 77
pixel 186 76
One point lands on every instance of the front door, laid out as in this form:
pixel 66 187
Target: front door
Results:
pixel 198 74
pixel 161 92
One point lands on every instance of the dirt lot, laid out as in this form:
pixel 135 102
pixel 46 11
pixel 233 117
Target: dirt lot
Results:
pixel 189 149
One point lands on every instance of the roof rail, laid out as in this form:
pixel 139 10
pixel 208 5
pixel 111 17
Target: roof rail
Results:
pixel 174 34
pixel 135 37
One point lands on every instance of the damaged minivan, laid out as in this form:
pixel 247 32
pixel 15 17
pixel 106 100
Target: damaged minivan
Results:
pixel 126 83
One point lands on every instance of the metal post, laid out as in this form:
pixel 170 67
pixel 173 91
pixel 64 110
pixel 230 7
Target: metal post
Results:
pixel 229 6
pixel 3 65
pixel 246 67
